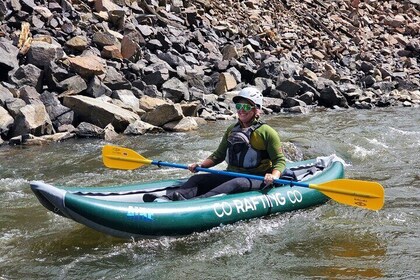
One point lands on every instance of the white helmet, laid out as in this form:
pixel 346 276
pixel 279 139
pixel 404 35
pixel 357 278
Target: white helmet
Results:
pixel 252 94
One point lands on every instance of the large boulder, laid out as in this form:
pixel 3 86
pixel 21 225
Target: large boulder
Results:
pixel 33 119
pixel 99 112
pixel 163 114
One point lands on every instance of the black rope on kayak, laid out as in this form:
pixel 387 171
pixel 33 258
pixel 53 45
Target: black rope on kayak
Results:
pixel 158 164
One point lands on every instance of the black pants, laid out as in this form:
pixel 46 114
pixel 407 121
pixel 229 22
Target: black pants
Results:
pixel 206 185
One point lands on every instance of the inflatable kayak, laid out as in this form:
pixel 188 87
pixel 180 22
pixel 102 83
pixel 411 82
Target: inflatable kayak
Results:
pixel 121 211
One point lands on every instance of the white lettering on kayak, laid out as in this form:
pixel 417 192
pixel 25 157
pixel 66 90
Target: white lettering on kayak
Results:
pixel 277 198
pixel 239 206
pixel 222 209
pixel 265 200
pixel 248 205
pixel 294 196
pixel 253 203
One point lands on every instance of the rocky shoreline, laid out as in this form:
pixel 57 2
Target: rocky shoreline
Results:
pixel 99 68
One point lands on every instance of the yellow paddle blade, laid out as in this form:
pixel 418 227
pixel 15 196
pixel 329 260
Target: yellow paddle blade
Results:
pixel 122 158
pixel 365 194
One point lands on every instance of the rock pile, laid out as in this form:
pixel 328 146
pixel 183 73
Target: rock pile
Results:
pixel 97 68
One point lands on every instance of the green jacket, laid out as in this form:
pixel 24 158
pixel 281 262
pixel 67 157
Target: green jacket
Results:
pixel 263 138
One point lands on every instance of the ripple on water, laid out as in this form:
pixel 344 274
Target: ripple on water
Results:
pixel 376 142
pixel 13 193
pixel 360 152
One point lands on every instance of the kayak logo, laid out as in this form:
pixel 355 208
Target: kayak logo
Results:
pixel 255 203
pixel 136 213
pixel 294 196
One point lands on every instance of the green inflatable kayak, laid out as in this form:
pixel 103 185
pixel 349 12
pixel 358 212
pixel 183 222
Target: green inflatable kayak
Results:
pixel 120 210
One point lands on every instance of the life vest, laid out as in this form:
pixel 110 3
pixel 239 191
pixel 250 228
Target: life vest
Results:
pixel 240 152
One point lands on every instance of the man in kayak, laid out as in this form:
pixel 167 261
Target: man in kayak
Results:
pixel 248 146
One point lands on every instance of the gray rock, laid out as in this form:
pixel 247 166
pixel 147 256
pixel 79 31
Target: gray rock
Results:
pixel 274 104
pixel 140 127
pixel 172 59
pixel 183 125
pixel 87 130
pixel 3 12
pixel 290 87
pixel 6 121
pixel 74 84
pixel 60 115
pixel 156 78
pixel 146 30
pixel 290 102
pixel 298 110
pixel 8 54
pixel 175 90
pixel 102 39
pixel 127 97
pixel 33 119
pixel 110 133
pixel 29 95
pixel 41 53
pixel 14 105
pixel 54 74
pixel 97 88
pixel 163 114
pixel 308 97
pixel 99 112
pixel 115 80
pixel 264 84
pixel 28 5
pixel 5 95
pixel 331 97
pixel 27 75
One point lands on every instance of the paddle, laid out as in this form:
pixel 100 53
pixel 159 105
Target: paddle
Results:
pixel 369 195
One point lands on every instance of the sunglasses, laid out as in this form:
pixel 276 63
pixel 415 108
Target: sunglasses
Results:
pixel 244 106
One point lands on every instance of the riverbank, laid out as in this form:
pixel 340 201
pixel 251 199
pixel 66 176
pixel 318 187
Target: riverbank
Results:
pixel 102 68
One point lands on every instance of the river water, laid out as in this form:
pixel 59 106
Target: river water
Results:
pixel 331 241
